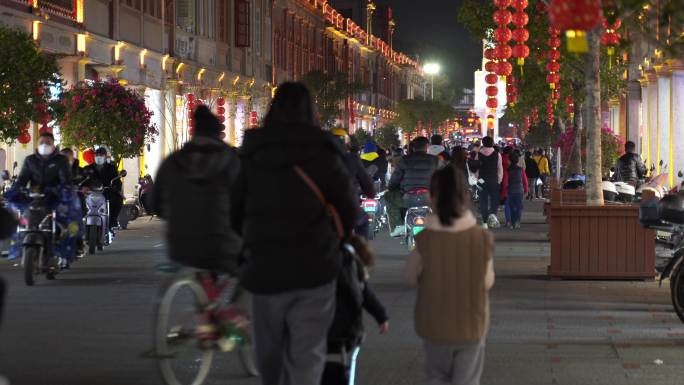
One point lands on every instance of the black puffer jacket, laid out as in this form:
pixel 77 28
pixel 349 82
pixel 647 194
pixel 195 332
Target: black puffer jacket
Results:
pixel 192 192
pixel 45 172
pixel 630 168
pixel 413 171
pixel 289 240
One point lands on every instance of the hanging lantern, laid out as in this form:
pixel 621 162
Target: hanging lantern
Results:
pixel 492 103
pixel 89 156
pixel 220 102
pixel 553 55
pixel 503 52
pixel 190 97
pixel 553 79
pixel 504 68
pixel 220 111
pixel 502 3
pixel 575 17
pixel 502 17
pixel 554 42
pixel 491 78
pixel 520 35
pixel 492 91
pixel 511 89
pixel 553 66
pixel 502 35
pixel 490 54
pixel 490 66
pixel 512 99
pixel 521 52
pixel 24 138
pixel 520 19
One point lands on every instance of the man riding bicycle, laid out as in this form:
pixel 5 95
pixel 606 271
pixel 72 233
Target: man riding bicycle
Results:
pixel 411 178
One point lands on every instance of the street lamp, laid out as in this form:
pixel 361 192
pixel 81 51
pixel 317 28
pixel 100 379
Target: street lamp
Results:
pixel 432 69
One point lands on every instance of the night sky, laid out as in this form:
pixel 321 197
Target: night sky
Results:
pixel 430 28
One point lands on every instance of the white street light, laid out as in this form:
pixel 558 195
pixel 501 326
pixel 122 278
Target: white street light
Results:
pixel 432 69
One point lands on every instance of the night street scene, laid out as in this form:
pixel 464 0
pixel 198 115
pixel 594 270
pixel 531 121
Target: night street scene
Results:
pixel 341 192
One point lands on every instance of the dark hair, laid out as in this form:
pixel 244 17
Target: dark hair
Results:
pixel 46 134
pixel 420 143
pixel 487 141
pixel 514 157
pixel 528 154
pixel 630 146
pixel 507 150
pixel 436 139
pixel 101 151
pixel 66 150
pixel 206 123
pixel 459 157
pixel 448 194
pixel 292 103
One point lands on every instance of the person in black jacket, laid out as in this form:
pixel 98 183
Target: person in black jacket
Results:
pixel 106 174
pixel 291 247
pixel 532 172
pixel 192 193
pixel 76 170
pixel 45 168
pixel 412 173
pixel 629 166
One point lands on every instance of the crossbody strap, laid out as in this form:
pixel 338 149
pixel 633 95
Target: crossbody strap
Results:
pixel 330 210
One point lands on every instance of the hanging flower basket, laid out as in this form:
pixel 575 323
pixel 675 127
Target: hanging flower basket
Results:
pixel 105 114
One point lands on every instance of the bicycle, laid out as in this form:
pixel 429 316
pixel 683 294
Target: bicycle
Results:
pixel 211 316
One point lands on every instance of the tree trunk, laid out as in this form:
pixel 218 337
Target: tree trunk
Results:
pixel 575 165
pixel 593 123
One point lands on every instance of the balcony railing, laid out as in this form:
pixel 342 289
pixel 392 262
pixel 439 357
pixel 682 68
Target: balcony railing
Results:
pixel 63 8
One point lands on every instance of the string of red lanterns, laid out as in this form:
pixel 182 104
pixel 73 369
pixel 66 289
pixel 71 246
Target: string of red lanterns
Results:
pixel 575 17
pixel 520 35
pixel 610 38
pixel 221 111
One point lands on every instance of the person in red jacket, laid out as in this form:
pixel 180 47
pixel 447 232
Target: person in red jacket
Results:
pixel 503 194
pixel 516 187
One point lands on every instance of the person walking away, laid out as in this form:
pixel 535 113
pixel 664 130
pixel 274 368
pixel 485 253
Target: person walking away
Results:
pixel 438 149
pixel 361 182
pixel 411 176
pixel 453 271
pixel 459 160
pixel 532 172
pixel 630 168
pixel 192 194
pixel 503 193
pixel 544 172
pixel 291 245
pixel 516 186
pixel 371 157
pixel 491 171
pixel 107 175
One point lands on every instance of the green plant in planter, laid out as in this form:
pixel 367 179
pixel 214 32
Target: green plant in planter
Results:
pixel 105 114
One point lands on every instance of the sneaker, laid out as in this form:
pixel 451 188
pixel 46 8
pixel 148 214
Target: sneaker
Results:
pixel 516 225
pixel 485 226
pixel 493 221
pixel 398 231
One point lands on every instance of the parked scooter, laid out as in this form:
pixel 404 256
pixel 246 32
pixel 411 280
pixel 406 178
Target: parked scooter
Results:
pixel 96 220
pixel 376 211
pixel 416 214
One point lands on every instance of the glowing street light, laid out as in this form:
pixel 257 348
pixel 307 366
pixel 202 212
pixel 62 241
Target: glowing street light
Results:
pixel 432 69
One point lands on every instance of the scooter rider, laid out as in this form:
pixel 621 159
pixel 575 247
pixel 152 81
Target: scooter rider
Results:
pixel 106 173
pixel 412 173
pixel 630 168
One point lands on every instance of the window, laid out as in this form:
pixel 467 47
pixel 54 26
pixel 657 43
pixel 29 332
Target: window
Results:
pixel 153 8
pixel 206 11
pixel 185 15
pixel 133 3
pixel 257 30
pixel 242 23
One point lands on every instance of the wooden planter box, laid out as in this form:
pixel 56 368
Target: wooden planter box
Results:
pixel 561 197
pixel 600 243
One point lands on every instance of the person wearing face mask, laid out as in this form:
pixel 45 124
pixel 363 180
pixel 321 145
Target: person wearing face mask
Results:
pixel 107 174
pixel 45 168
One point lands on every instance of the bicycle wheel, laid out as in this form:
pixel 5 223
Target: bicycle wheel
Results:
pixel 677 291
pixel 184 358
pixel 31 256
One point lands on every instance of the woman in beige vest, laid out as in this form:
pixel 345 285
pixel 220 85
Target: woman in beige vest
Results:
pixel 453 271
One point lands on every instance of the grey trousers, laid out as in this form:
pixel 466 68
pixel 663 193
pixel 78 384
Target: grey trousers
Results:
pixel 290 333
pixel 447 364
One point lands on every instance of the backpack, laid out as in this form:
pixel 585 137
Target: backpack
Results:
pixel 348 322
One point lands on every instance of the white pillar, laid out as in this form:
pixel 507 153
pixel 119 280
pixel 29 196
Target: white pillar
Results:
pixel 663 144
pixel 154 152
pixel 650 104
pixel 677 115
pixel 634 112
pixel 168 138
pixel 614 110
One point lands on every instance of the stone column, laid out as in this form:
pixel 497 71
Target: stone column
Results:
pixel 169 137
pixel 663 137
pixel 649 96
pixel 614 109
pixel 231 110
pixel 676 104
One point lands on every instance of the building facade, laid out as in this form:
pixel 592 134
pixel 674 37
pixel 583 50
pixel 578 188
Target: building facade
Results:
pixel 235 50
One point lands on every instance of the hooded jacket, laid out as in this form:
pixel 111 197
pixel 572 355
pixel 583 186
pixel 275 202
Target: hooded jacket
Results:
pixel 192 192
pixel 45 172
pixel 413 171
pixel 630 168
pixel 495 170
pixel 290 242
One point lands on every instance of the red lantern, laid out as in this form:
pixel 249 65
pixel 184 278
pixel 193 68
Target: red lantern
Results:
pixel 502 17
pixel 88 156
pixel 490 54
pixel 190 97
pixel 491 78
pixel 520 4
pixel 40 91
pixel 492 91
pixel 511 89
pixel 221 118
pixel 221 111
pixel 24 138
pixel 553 78
pixel 490 66
pixel 504 68
pixel 492 103
pixel 553 55
pixel 554 42
pixel 41 107
pixel 502 35
pixel 554 32
pixel 520 35
pixel 220 102
pixel 521 51
pixel 520 19
pixel 45 128
pixel 512 99
pixel 502 3
pixel 553 66
pixel 575 14
pixel 503 52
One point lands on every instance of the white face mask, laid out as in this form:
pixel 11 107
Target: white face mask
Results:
pixel 45 149
pixel 100 160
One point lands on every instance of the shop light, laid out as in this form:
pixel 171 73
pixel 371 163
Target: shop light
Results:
pixel 223 75
pixel 236 80
pixel 165 58
pixel 81 43
pixel 142 58
pixel 200 73
pixel 36 30
pixel 179 68
pixel 80 14
pixel 117 51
